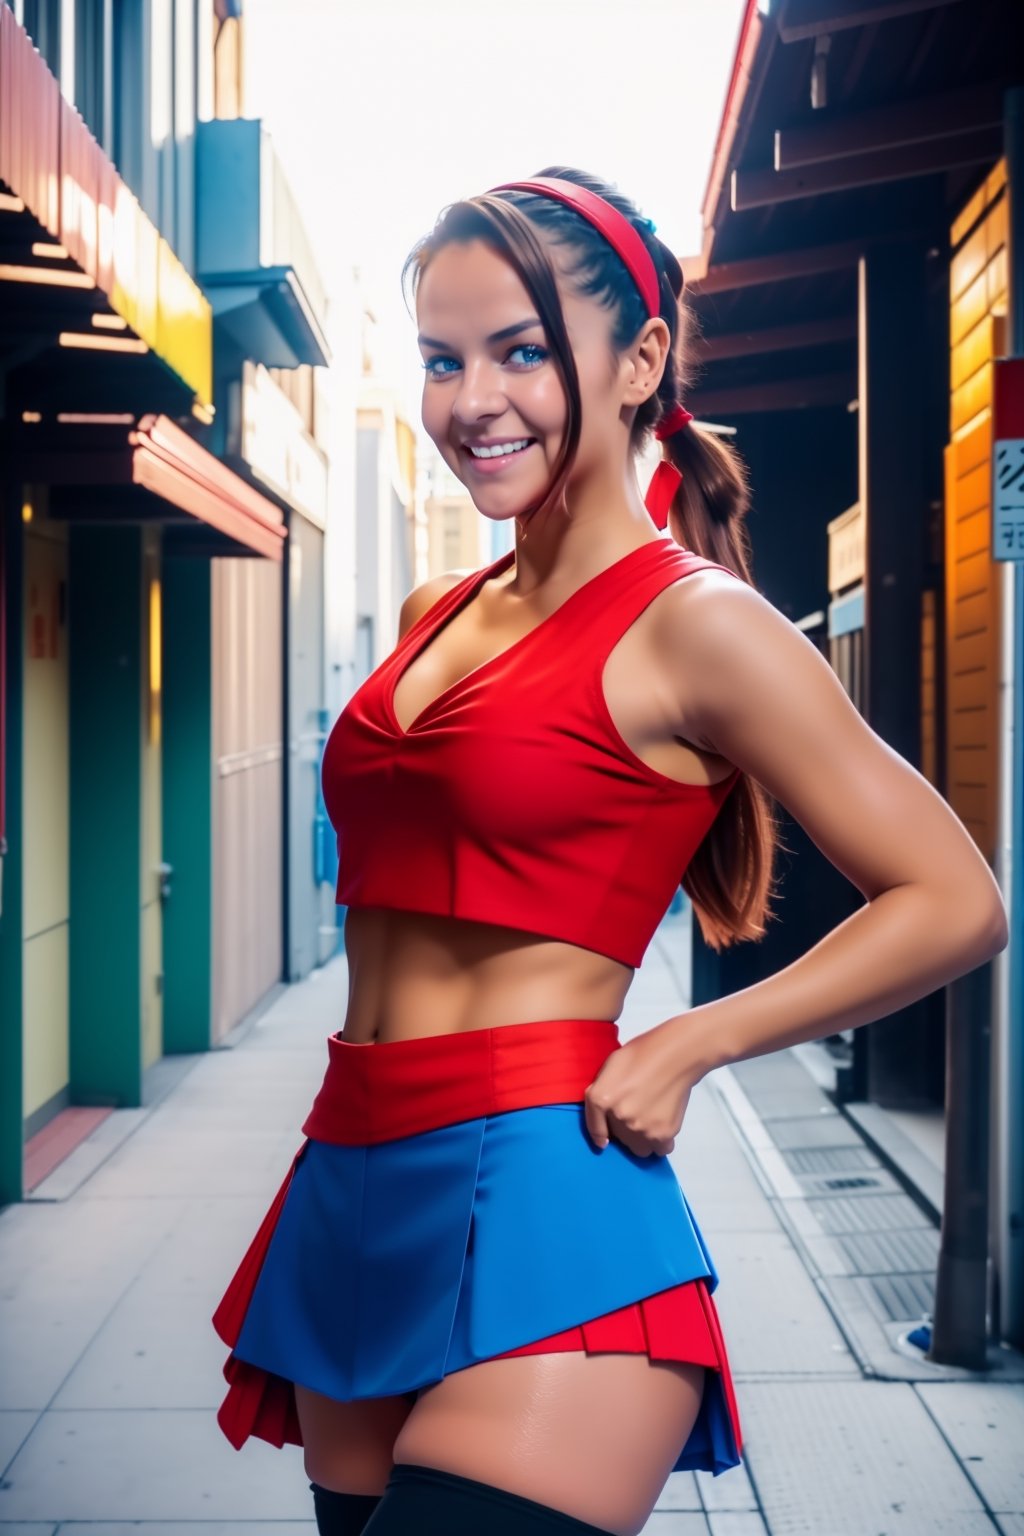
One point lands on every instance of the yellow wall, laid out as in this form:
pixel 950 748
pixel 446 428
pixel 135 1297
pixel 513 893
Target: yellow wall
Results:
pixel 150 903
pixel 978 307
pixel 46 896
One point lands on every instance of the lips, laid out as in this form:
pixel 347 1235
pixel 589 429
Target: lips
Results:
pixel 496 461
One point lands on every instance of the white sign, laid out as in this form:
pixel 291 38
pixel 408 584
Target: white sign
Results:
pixel 1008 499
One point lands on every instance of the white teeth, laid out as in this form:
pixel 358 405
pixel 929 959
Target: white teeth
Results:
pixel 499 449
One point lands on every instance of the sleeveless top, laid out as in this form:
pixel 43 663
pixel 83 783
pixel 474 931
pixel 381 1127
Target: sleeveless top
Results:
pixel 512 798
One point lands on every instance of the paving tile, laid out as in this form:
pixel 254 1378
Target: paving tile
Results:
pixel 162 1465
pixel 680 1492
pixel 14 1428
pixel 1010 1525
pixel 675 1525
pixel 827 1129
pixel 984 1423
pixel 729 1492
pixel 153 1165
pixel 109 1245
pixel 736 1524
pixel 857 1458
pixel 43 1333
pixel 773 1317
pixel 753 1214
pixel 158 1349
pixel 28 1528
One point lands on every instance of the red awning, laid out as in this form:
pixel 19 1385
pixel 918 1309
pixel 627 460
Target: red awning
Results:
pixel 157 465
pixel 170 464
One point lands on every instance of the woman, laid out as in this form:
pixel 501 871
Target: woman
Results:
pixel 480 1301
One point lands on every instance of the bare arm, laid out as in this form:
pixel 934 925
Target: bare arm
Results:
pixel 759 692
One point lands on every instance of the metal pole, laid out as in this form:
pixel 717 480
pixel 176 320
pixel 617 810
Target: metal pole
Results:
pixel 959 1323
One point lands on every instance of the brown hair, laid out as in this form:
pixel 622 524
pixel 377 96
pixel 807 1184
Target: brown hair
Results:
pixel 730 877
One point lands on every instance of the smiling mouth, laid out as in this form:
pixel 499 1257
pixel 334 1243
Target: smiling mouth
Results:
pixel 499 450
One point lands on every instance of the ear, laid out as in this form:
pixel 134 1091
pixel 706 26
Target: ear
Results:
pixel 646 361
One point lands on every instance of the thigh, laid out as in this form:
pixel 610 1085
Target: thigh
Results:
pixel 594 1436
pixel 347 1446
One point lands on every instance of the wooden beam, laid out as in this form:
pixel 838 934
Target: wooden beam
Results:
pixel 781 338
pixel 776 395
pixel 760 189
pixel 890 127
pixel 755 270
pixel 801 19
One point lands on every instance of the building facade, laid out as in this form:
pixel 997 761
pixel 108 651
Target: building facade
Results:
pixel 857 285
pixel 164 510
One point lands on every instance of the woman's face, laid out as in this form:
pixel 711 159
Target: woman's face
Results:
pixel 490 382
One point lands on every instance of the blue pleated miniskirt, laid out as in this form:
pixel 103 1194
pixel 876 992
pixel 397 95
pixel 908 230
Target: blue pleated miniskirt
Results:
pixel 390 1260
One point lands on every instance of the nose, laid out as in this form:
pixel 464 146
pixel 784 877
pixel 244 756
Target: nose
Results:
pixel 479 393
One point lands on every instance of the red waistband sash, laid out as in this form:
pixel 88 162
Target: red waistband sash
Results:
pixel 378 1092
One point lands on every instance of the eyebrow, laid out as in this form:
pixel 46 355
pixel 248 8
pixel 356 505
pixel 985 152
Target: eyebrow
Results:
pixel 509 330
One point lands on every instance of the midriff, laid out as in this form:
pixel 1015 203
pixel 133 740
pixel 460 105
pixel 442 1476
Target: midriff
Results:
pixel 413 974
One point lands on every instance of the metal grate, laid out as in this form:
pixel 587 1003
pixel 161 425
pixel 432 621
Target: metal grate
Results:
pixel 829 1159
pixel 891 1253
pixel 904 1298
pixel 869 1213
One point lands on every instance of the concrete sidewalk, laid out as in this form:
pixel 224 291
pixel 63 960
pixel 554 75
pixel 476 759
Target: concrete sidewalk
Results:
pixel 110 1372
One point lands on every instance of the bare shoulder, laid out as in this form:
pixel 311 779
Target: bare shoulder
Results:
pixel 761 694
pixel 423 597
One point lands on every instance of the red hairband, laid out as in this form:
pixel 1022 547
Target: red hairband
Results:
pixel 628 244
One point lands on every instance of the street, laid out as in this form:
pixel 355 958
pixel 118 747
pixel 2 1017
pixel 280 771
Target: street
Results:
pixel 112 1372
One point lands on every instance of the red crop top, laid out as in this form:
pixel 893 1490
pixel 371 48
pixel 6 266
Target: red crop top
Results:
pixel 512 798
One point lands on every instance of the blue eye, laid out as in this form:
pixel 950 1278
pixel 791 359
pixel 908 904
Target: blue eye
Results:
pixel 431 369
pixel 540 353
pixel 535 356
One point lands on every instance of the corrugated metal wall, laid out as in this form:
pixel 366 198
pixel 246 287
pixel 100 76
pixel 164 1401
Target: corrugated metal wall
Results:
pixel 978 307
pixel 247 790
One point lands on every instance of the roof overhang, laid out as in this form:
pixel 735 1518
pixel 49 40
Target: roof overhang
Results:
pixel 268 316
pixel 77 244
pixel 848 126
pixel 154 473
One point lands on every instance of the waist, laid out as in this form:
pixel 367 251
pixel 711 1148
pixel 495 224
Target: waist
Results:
pixel 375 1092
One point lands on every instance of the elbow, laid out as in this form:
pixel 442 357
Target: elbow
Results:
pixel 1000 928
pixel 989 930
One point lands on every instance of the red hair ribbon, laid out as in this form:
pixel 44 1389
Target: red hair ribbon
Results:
pixel 664 483
pixel 677 418
pixel 666 478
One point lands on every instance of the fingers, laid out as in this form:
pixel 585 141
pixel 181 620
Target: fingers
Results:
pixel 602 1124
pixel 644 1146
pixel 597 1120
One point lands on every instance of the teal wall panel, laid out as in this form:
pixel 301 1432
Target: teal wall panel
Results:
pixel 187 826
pixel 106 691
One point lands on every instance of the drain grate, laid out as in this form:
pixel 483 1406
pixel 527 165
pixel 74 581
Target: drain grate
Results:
pixel 867 1213
pixel 813 1184
pixel 903 1298
pixel 829 1130
pixel 891 1253
pixel 829 1159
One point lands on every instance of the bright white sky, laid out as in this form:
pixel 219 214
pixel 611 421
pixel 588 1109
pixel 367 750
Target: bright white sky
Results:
pixel 383 111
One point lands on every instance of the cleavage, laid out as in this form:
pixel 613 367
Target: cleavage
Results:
pixel 447 659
